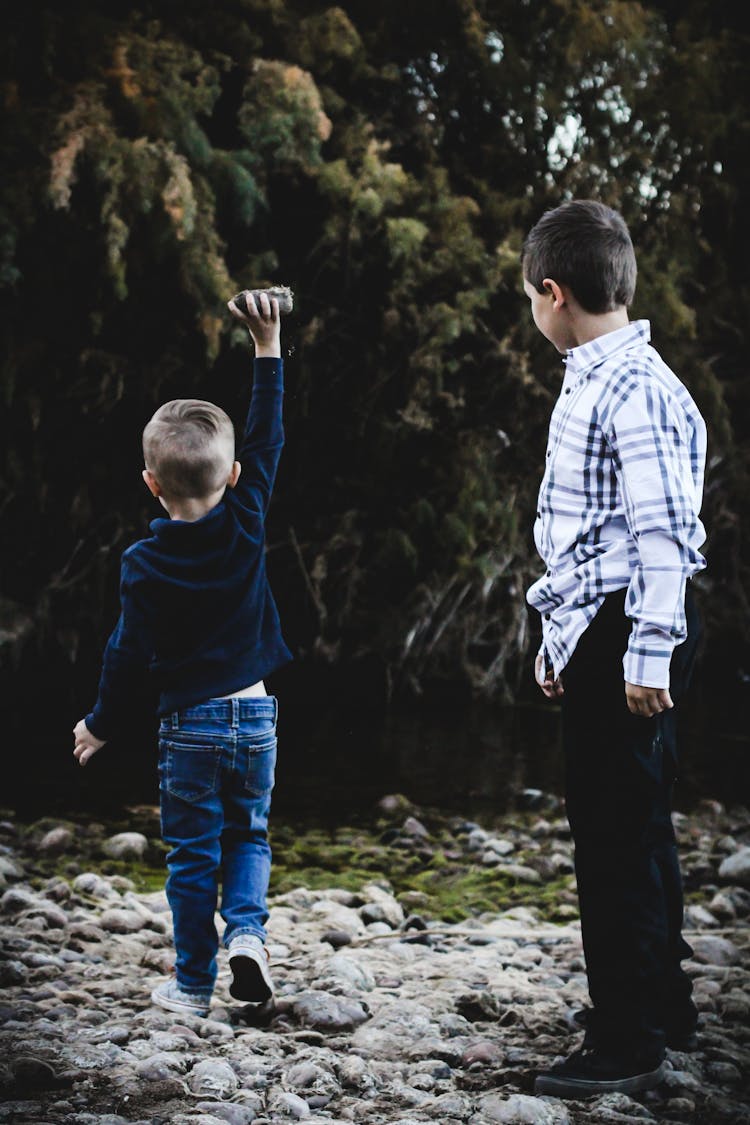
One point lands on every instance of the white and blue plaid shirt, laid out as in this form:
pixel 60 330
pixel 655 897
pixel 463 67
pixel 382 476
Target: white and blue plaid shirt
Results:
pixel 619 501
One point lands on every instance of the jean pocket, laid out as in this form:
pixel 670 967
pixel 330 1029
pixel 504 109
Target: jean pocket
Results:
pixel 188 772
pixel 261 768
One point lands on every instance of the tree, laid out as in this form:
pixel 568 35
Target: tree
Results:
pixel 386 162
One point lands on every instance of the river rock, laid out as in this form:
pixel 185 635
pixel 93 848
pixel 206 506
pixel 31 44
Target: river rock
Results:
pixel 414 828
pixel 313 1079
pixel 336 938
pixel 350 971
pixel 710 949
pixel 213 1077
pixel 522 1109
pixel 120 921
pixel 354 1074
pixel 229 1112
pixel 12 973
pixel 163 1064
pixel 32 1073
pixel 17 900
pixel 325 1012
pixel 393 805
pixel 90 883
pixel 10 871
pixel 126 845
pixel 482 1053
pixel 288 1106
pixel 56 841
pixel 333 916
pixel 53 916
pixel 381 906
pixel 736 868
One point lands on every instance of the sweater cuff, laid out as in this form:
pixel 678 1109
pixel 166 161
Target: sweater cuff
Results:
pixel 93 727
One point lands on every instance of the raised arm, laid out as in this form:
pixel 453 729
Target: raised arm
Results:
pixel 260 448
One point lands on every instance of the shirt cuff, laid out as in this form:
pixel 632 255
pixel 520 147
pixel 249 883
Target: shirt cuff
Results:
pixel 647 667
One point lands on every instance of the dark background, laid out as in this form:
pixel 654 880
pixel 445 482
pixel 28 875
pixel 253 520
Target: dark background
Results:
pixel 385 161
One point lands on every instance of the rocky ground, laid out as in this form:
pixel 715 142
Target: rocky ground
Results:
pixel 391 1007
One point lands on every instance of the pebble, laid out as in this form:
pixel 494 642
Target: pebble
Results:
pixel 736 867
pixel 56 841
pixel 521 1109
pixel 229 1112
pixel 126 845
pixel 710 949
pixel 213 1077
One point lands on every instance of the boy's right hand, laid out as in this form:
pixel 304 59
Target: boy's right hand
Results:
pixel 552 688
pixel 86 744
pixel 263 323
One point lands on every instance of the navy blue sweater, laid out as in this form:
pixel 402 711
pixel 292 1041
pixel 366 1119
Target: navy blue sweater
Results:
pixel 197 615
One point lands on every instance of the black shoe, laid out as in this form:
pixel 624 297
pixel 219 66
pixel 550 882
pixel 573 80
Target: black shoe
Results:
pixel 677 1038
pixel 682 1040
pixel 588 1072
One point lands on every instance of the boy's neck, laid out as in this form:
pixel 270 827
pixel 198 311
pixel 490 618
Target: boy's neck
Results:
pixel 190 510
pixel 586 326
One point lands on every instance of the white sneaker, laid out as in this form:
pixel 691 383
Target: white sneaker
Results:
pixel 169 995
pixel 248 960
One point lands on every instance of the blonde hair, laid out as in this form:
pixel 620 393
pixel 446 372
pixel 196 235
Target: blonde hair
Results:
pixel 189 447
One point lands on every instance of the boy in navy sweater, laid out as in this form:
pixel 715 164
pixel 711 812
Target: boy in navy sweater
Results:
pixel 198 616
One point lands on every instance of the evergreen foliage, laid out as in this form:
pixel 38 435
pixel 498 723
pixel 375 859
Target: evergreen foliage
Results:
pixel 385 161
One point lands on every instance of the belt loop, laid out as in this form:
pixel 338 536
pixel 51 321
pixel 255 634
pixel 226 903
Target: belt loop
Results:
pixel 175 720
pixel 235 712
pixel 275 710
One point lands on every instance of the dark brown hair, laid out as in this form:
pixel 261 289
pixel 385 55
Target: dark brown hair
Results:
pixel 189 447
pixel 586 246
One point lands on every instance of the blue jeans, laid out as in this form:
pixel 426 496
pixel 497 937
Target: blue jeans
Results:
pixel 216 773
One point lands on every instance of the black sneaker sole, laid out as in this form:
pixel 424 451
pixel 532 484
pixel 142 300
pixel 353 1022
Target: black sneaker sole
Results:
pixel 248 982
pixel 560 1086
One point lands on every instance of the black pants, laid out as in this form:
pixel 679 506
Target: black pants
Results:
pixel 620 772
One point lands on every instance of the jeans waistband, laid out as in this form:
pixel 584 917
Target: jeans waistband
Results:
pixel 231 711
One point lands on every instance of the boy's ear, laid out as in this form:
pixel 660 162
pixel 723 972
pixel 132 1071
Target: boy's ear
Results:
pixel 152 483
pixel 234 474
pixel 556 291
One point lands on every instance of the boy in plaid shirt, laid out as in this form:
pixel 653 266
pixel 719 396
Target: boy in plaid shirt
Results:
pixel 619 531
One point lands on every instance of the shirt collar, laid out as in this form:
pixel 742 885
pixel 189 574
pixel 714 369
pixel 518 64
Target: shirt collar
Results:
pixel 584 358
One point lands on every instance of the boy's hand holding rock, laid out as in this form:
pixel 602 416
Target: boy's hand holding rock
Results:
pixel 263 321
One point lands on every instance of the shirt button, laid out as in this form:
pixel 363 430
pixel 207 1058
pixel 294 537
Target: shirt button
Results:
pixel 567 390
pixel 549 573
pixel 549 453
pixel 547 616
pixel 539 515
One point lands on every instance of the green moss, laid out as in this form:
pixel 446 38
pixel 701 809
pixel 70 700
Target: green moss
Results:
pixel 447 884
pixel 451 889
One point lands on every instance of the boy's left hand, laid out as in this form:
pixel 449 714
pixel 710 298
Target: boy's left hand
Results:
pixel 86 745
pixel 647 701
